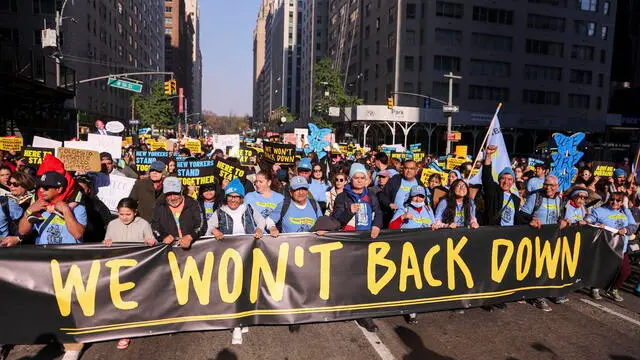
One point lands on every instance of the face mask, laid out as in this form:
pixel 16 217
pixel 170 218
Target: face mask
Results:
pixel 417 204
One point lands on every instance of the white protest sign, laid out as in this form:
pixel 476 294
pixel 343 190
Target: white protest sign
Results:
pixel 114 127
pixel 119 188
pixel 301 137
pixel 81 145
pixel 107 143
pixel 41 142
pixel 228 141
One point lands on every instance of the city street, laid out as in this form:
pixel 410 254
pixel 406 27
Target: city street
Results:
pixel 580 329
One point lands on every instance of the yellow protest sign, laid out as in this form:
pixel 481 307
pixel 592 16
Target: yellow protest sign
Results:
pixel 195 146
pixel 462 151
pixel 156 145
pixel 418 156
pixel 426 172
pixel 11 144
pixel 453 163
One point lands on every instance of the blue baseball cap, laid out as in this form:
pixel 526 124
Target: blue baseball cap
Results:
pixel 157 166
pixel 298 182
pixel 507 171
pixel 417 190
pixel 305 163
pixel 172 185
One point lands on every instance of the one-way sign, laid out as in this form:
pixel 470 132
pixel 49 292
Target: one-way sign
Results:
pixel 451 108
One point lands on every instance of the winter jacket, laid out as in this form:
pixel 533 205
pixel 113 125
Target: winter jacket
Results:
pixel 191 220
pixel 147 197
pixel 494 199
pixel 344 200
pixel 388 194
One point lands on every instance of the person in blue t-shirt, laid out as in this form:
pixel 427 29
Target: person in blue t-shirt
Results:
pixel 575 211
pixel 9 232
pixel 264 200
pixel 416 214
pixel 58 223
pixel 319 185
pixel 535 183
pixel 458 209
pixel 396 192
pixel 300 214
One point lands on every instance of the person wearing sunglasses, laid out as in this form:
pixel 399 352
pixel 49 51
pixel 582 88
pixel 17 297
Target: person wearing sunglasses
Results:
pixel 22 188
pixel 613 215
pixel 575 210
pixel 339 182
pixel 318 186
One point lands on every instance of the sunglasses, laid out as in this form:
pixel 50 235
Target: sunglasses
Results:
pixel 47 188
pixel 317 170
pixel 14 184
pixel 341 180
pixel 616 200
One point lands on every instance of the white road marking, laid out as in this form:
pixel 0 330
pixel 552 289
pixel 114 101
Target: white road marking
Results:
pixel 382 350
pixel 606 309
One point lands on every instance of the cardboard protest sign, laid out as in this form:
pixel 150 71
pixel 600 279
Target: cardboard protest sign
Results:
pixel 462 151
pixel 226 170
pixel 426 172
pixel 603 168
pixel 106 143
pixel 280 153
pixel 119 187
pixel 453 163
pixel 195 146
pixel 247 155
pixel 565 160
pixel 196 172
pixel 11 143
pixel 35 155
pixel 144 159
pixel 78 159
pixel 40 142
pixel 531 163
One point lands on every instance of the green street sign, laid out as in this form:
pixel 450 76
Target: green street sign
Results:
pixel 125 85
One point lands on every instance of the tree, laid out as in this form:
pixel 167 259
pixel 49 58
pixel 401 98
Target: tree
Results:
pixel 329 89
pixel 225 124
pixel 157 109
pixel 275 119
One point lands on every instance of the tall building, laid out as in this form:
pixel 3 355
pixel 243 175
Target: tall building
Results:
pixel 193 14
pixel 179 32
pixel 260 102
pixel 315 27
pixel 279 79
pixel 102 38
pixel 33 101
pixel 548 61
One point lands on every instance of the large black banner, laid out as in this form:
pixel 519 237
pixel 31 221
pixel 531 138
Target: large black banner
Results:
pixel 85 293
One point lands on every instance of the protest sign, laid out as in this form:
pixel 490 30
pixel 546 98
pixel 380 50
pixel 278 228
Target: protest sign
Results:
pixel 11 143
pixel 603 168
pixel 157 145
pixel 247 155
pixel 119 187
pixel 532 162
pixel 196 172
pixel 565 160
pixel 398 155
pixel 462 151
pixel 453 163
pixel 78 159
pixel 230 144
pixel 106 143
pixel 35 155
pixel 418 156
pixel 415 147
pixel 71 289
pixel 40 142
pixel 426 172
pixel 144 159
pixel 229 171
pixel 289 138
pixel 195 146
pixel 284 154
pixel 302 136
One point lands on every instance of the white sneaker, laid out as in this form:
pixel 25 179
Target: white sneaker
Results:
pixel 71 355
pixel 236 338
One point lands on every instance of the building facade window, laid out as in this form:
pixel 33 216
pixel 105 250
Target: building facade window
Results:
pixel 542 22
pixel 583 77
pixel 585 28
pixel 540 97
pixel 440 90
pixel 411 11
pixel 493 93
pixel 548 48
pixel 492 16
pixel 588 5
pixel 409 63
pixel 557 3
pixel 446 63
pixel 491 42
pixel 543 73
pixel 490 68
pixel 579 101
pixel 448 37
pixel 582 52
pixel 449 9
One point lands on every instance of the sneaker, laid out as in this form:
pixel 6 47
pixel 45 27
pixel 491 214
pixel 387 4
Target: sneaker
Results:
pixel 560 300
pixel 541 304
pixel 614 295
pixel 411 319
pixel 236 338
pixel 595 294
pixel 368 324
pixel 71 355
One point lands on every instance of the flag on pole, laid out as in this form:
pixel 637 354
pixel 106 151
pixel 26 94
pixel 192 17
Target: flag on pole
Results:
pixel 500 159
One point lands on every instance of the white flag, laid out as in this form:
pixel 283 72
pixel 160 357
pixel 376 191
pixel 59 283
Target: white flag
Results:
pixel 500 159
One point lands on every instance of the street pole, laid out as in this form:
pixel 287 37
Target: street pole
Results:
pixel 450 76
pixel 186 111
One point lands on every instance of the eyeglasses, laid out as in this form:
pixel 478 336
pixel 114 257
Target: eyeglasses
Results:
pixel 234 196
pixel 616 200
pixel 581 197
pixel 304 170
pixel 551 185
pixel 410 168
pixel 317 170
pixel 341 180
pixel 14 184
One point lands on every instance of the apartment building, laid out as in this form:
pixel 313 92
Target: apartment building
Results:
pixel 315 29
pixel 193 14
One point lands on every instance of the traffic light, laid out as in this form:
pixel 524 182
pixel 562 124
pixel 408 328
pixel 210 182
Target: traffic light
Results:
pixel 170 87
pixel 390 102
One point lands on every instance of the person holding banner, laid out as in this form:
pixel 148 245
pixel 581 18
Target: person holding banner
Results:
pixel 235 216
pixel 264 200
pixel 177 219
pixel 208 199
pixel 457 209
pixel 615 217
pixel 416 214
pixel 396 192
pixel 501 205
pixel 298 212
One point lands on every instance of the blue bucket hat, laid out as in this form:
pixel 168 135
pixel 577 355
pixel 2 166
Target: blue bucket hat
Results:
pixel 507 171
pixel 305 163
pixel 619 172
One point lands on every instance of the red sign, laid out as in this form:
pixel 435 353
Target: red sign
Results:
pixel 181 100
pixel 455 136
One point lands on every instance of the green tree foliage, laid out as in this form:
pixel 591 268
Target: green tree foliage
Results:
pixel 157 109
pixel 225 124
pixel 329 89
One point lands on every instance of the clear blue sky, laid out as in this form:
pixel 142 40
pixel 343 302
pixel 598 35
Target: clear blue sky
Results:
pixel 226 42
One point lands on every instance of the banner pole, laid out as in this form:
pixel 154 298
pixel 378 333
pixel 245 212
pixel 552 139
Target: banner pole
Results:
pixel 486 137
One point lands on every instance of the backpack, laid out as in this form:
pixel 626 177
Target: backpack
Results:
pixel 538 203
pixel 13 225
pixel 285 206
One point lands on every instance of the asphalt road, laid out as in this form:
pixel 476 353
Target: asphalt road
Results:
pixel 580 329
